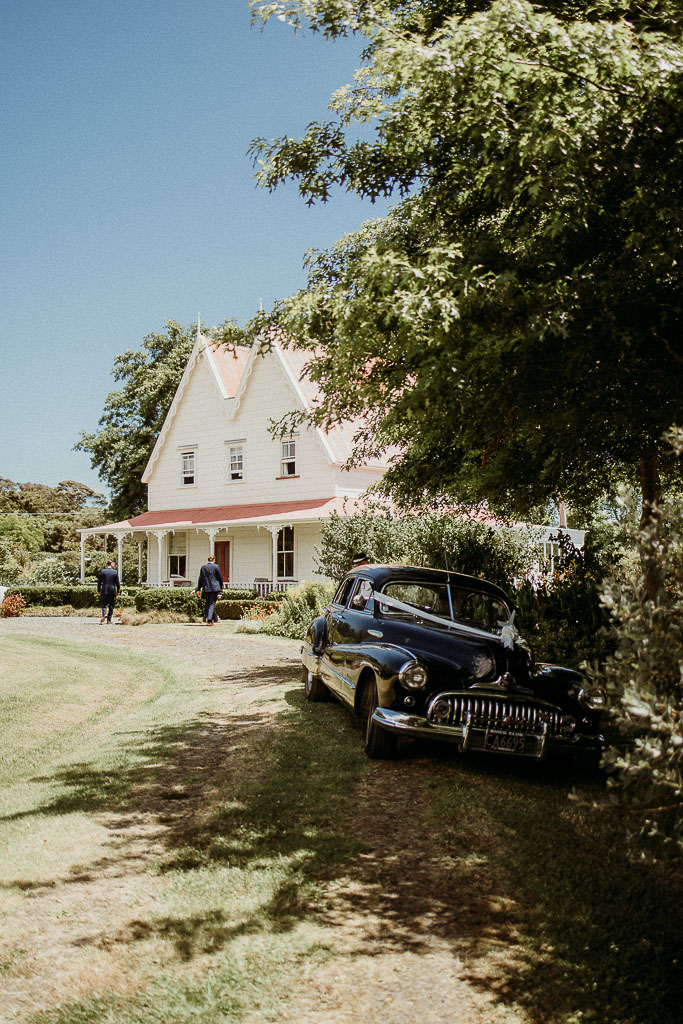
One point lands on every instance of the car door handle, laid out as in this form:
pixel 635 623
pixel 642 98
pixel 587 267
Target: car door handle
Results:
pixel 376 632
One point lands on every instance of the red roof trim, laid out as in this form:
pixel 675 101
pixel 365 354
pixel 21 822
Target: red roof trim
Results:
pixel 228 513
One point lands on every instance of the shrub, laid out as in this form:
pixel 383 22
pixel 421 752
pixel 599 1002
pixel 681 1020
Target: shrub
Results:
pixel 12 605
pixel 563 619
pixel 295 613
pixel 231 609
pixel 170 599
pixel 644 678
pixel 50 595
pixel 434 540
pixel 232 594
pixel 80 596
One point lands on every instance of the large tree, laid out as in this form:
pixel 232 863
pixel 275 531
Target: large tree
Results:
pixel 514 325
pixel 134 414
pixel 68 496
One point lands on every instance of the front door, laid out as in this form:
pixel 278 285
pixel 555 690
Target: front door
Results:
pixel 222 551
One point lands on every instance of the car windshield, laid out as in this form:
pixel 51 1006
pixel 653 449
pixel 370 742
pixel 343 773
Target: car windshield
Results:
pixel 470 607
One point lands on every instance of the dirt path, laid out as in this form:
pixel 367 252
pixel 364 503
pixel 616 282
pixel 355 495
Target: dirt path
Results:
pixel 414 932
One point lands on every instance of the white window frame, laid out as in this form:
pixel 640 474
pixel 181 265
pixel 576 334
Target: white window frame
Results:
pixel 286 552
pixel 288 456
pixel 188 452
pixel 177 548
pixel 236 446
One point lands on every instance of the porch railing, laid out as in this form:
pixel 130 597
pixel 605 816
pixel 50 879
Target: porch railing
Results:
pixel 262 587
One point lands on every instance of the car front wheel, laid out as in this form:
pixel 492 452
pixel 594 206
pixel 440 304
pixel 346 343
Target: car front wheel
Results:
pixel 380 745
pixel 314 687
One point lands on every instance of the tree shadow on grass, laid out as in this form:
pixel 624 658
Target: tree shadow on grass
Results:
pixel 603 933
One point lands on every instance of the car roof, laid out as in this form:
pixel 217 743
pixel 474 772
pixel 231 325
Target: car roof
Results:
pixel 382 574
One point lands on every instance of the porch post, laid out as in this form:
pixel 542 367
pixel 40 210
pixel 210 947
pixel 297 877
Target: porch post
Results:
pixel 274 530
pixel 119 554
pixel 139 561
pixel 82 559
pixel 159 534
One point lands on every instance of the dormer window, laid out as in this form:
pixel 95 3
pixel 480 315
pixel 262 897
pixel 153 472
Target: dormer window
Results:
pixel 288 462
pixel 187 470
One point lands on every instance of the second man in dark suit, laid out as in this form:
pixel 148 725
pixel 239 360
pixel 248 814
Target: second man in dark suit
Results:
pixel 210 583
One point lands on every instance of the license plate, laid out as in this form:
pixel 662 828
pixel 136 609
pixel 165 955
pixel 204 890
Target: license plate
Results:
pixel 505 742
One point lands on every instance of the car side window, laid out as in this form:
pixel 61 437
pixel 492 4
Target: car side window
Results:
pixel 422 596
pixel 481 610
pixel 344 591
pixel 361 595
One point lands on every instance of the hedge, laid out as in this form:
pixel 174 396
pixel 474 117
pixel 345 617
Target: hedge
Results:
pixel 56 594
pixel 169 599
pixel 232 605
pixel 185 601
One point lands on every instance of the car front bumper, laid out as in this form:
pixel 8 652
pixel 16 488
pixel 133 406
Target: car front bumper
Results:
pixel 535 745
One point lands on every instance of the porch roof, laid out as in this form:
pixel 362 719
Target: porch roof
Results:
pixel 305 510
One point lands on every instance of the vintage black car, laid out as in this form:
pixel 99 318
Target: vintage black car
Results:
pixel 432 654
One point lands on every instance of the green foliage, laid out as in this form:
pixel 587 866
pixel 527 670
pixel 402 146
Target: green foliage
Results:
pixel 54 595
pixel 55 568
pixel 513 325
pixel 438 540
pixel 644 680
pixel 13 559
pixel 170 599
pixel 297 609
pixel 133 415
pixel 257 608
pixel 68 496
pixel 562 617
pixel 20 530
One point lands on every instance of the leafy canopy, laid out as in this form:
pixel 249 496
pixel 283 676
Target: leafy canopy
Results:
pixel 513 326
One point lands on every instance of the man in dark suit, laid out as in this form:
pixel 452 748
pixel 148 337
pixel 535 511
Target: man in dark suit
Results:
pixel 210 583
pixel 108 586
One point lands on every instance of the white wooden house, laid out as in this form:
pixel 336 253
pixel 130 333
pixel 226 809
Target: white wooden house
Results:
pixel 218 481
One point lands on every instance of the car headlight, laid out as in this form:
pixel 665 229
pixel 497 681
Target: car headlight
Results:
pixel 413 676
pixel 482 665
pixel 592 697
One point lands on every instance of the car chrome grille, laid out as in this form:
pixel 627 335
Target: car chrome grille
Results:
pixel 493 712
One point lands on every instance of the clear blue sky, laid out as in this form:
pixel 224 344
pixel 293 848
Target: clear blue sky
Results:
pixel 127 197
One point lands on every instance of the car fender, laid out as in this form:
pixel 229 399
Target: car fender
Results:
pixel 318 634
pixel 385 661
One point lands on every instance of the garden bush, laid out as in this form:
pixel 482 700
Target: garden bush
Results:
pixel 437 540
pixel 644 680
pixel 12 605
pixel 170 599
pixel 54 594
pixel 563 618
pixel 81 596
pixel 256 607
pixel 297 609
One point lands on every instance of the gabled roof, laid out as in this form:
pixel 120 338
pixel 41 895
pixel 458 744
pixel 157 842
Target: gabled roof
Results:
pixel 231 369
pixel 228 366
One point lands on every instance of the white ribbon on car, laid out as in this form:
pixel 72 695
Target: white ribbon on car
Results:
pixel 508 634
